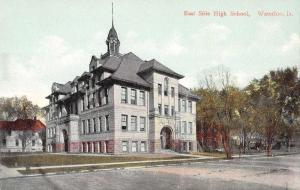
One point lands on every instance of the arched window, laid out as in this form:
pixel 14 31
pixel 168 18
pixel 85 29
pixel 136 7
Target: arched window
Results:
pixel 166 86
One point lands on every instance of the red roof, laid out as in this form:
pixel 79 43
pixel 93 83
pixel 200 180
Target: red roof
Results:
pixel 22 125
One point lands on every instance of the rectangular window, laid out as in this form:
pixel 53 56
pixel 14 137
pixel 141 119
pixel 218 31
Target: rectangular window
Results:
pixel 134 146
pixel 133 123
pixel 99 98
pixel 100 124
pixel 190 127
pixel 82 127
pixel 190 106
pixel 33 143
pixel 106 96
pixel 178 127
pixel 89 126
pixel 190 146
pixel 142 98
pixel 94 125
pixel 179 105
pixel 124 95
pixel 124 122
pixel 143 146
pixel 183 127
pixel 17 142
pixel 142 123
pixel 159 89
pixel 125 146
pixel 183 106
pixel 4 142
pixel 184 147
pixel 107 122
pixel 166 86
pixel 172 110
pixel 166 110
pixel 94 99
pixel 88 101
pixel 172 91
pixel 159 109
pixel 133 96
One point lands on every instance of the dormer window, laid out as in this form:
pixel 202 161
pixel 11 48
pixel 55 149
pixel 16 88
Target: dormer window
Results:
pixel 166 86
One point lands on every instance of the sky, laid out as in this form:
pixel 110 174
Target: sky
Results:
pixel 42 42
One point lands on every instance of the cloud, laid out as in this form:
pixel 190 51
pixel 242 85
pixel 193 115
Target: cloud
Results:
pixel 293 44
pixel 152 48
pixel 174 47
pixel 212 33
pixel 54 60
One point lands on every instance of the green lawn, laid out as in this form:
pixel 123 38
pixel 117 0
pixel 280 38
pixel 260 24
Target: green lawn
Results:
pixel 93 168
pixel 57 159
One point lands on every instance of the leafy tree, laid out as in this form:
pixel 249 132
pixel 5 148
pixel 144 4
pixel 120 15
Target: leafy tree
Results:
pixel 275 98
pixel 18 108
pixel 219 105
pixel 288 99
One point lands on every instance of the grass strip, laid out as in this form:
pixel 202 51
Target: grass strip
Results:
pixel 54 160
pixel 63 170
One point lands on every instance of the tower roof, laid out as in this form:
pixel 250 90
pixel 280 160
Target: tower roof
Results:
pixel 112 33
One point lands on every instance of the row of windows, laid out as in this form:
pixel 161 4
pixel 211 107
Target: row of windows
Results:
pixel 166 110
pixel 185 127
pixel 136 146
pixel 90 126
pixel 51 132
pixel 166 88
pixel 100 96
pixel 133 96
pixel 133 123
pixel 182 107
pixel 17 142
pixel 187 146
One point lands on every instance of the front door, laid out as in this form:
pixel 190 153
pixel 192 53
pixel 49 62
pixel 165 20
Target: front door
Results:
pixel 166 138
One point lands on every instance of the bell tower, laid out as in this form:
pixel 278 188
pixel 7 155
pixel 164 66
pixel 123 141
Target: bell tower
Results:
pixel 112 40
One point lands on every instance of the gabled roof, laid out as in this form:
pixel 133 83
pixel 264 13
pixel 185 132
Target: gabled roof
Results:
pixel 84 76
pixel 157 66
pixel 128 69
pixel 22 125
pixel 111 62
pixel 184 91
pixel 61 88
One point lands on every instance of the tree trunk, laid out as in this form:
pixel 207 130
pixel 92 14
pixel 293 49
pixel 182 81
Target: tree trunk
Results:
pixel 226 144
pixel 269 149
pixel 289 145
pixel 244 142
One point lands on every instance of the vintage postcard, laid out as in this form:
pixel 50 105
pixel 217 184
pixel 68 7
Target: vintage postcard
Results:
pixel 154 94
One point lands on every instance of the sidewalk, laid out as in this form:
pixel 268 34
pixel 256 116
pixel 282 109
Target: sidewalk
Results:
pixel 6 172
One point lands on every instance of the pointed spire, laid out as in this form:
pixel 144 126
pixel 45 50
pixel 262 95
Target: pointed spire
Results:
pixel 112 14
pixel 112 40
